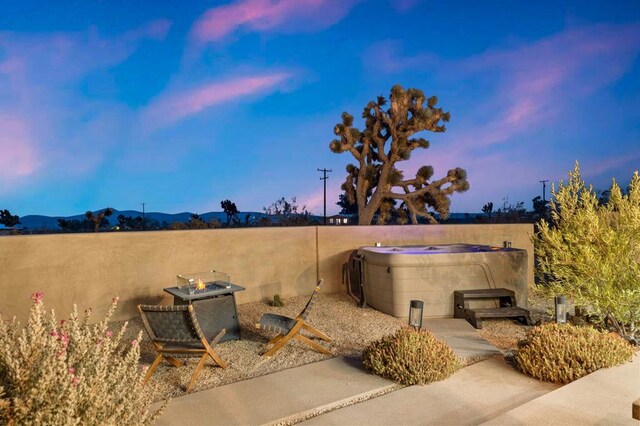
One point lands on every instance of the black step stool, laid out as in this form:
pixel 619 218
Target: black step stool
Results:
pixel 508 307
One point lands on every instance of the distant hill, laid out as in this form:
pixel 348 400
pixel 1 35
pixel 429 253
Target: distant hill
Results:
pixel 39 222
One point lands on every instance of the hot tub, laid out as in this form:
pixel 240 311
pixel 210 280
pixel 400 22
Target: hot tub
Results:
pixel 392 276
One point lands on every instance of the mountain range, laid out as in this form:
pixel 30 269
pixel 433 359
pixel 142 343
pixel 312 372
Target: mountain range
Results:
pixel 38 222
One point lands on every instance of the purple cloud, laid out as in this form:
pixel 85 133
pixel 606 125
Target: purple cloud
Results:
pixel 528 88
pixel 48 126
pixel 172 107
pixel 269 15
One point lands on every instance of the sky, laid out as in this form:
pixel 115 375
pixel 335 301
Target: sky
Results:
pixel 180 105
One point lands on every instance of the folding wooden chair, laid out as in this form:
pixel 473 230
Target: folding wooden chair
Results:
pixel 289 328
pixel 175 333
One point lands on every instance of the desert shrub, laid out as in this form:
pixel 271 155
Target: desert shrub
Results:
pixel 70 372
pixel 591 251
pixel 562 353
pixel 277 301
pixel 410 357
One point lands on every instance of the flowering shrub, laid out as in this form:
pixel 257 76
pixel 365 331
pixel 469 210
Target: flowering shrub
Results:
pixel 70 372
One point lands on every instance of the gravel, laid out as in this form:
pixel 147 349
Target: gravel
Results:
pixel 351 328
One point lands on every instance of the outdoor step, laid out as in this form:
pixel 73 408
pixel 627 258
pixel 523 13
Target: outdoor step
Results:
pixel 498 312
pixel 488 293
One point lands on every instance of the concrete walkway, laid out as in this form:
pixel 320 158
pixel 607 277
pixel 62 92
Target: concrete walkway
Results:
pixel 472 396
pixel 338 392
pixel 278 396
pixel 461 337
pixel 601 398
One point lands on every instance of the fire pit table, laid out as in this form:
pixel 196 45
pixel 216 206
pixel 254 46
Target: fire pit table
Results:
pixel 213 298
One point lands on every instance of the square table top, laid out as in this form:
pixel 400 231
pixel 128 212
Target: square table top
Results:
pixel 224 288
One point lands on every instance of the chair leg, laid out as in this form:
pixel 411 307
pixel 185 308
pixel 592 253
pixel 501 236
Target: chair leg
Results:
pixel 313 344
pixel 275 339
pixel 280 343
pixel 317 332
pixel 153 367
pixel 216 358
pixel 173 361
pixel 197 372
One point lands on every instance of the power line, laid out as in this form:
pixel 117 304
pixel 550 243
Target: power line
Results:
pixel 143 204
pixel 324 178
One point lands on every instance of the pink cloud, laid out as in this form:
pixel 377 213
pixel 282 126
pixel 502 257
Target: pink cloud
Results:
pixel 47 127
pixel 528 88
pixel 314 202
pixel 265 15
pixel 172 107
pixel 529 84
pixel 612 165
pixel 19 158
pixel 539 80
pixel 403 6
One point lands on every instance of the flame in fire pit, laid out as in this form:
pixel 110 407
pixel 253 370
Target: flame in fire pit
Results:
pixel 200 285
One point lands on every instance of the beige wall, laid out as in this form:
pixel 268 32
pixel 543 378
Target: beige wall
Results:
pixel 90 269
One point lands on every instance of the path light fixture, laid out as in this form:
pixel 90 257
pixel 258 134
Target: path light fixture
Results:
pixel 560 303
pixel 415 314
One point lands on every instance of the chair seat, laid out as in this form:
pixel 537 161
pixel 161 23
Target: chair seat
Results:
pixel 169 347
pixel 276 323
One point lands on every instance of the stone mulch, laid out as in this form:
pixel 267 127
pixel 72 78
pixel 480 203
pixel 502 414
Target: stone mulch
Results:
pixel 351 328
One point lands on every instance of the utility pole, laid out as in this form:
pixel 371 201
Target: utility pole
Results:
pixel 324 178
pixel 143 204
pixel 544 190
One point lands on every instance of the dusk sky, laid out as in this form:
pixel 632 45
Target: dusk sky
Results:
pixel 181 104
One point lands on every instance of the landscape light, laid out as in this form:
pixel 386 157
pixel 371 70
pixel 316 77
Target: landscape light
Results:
pixel 415 314
pixel 560 303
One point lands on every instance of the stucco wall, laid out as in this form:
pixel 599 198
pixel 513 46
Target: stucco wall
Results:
pixel 90 269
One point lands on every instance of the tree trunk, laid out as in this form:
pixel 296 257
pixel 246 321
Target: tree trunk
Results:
pixel 365 217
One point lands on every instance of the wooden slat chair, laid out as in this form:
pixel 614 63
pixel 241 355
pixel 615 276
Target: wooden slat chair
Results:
pixel 289 328
pixel 175 333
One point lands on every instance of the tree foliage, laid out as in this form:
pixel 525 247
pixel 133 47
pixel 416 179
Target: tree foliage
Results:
pixel 7 219
pixel 98 219
pixel 488 209
pixel 591 251
pixel 287 213
pixel 388 138
pixel 231 211
pixel 346 206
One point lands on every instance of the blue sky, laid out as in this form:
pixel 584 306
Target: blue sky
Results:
pixel 183 104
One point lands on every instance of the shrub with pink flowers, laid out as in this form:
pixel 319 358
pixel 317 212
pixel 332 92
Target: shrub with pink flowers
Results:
pixel 70 372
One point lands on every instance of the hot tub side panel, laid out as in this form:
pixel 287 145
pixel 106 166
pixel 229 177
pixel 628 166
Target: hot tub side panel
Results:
pixel 391 282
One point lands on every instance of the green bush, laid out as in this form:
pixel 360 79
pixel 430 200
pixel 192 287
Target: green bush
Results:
pixel 410 357
pixel 590 251
pixel 277 301
pixel 562 353
pixel 70 372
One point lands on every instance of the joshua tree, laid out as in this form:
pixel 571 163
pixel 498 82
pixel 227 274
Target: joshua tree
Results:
pixel 386 140
pixel 7 219
pixel 488 209
pixel 230 210
pixel 97 219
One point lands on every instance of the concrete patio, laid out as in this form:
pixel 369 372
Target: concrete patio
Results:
pixel 339 391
